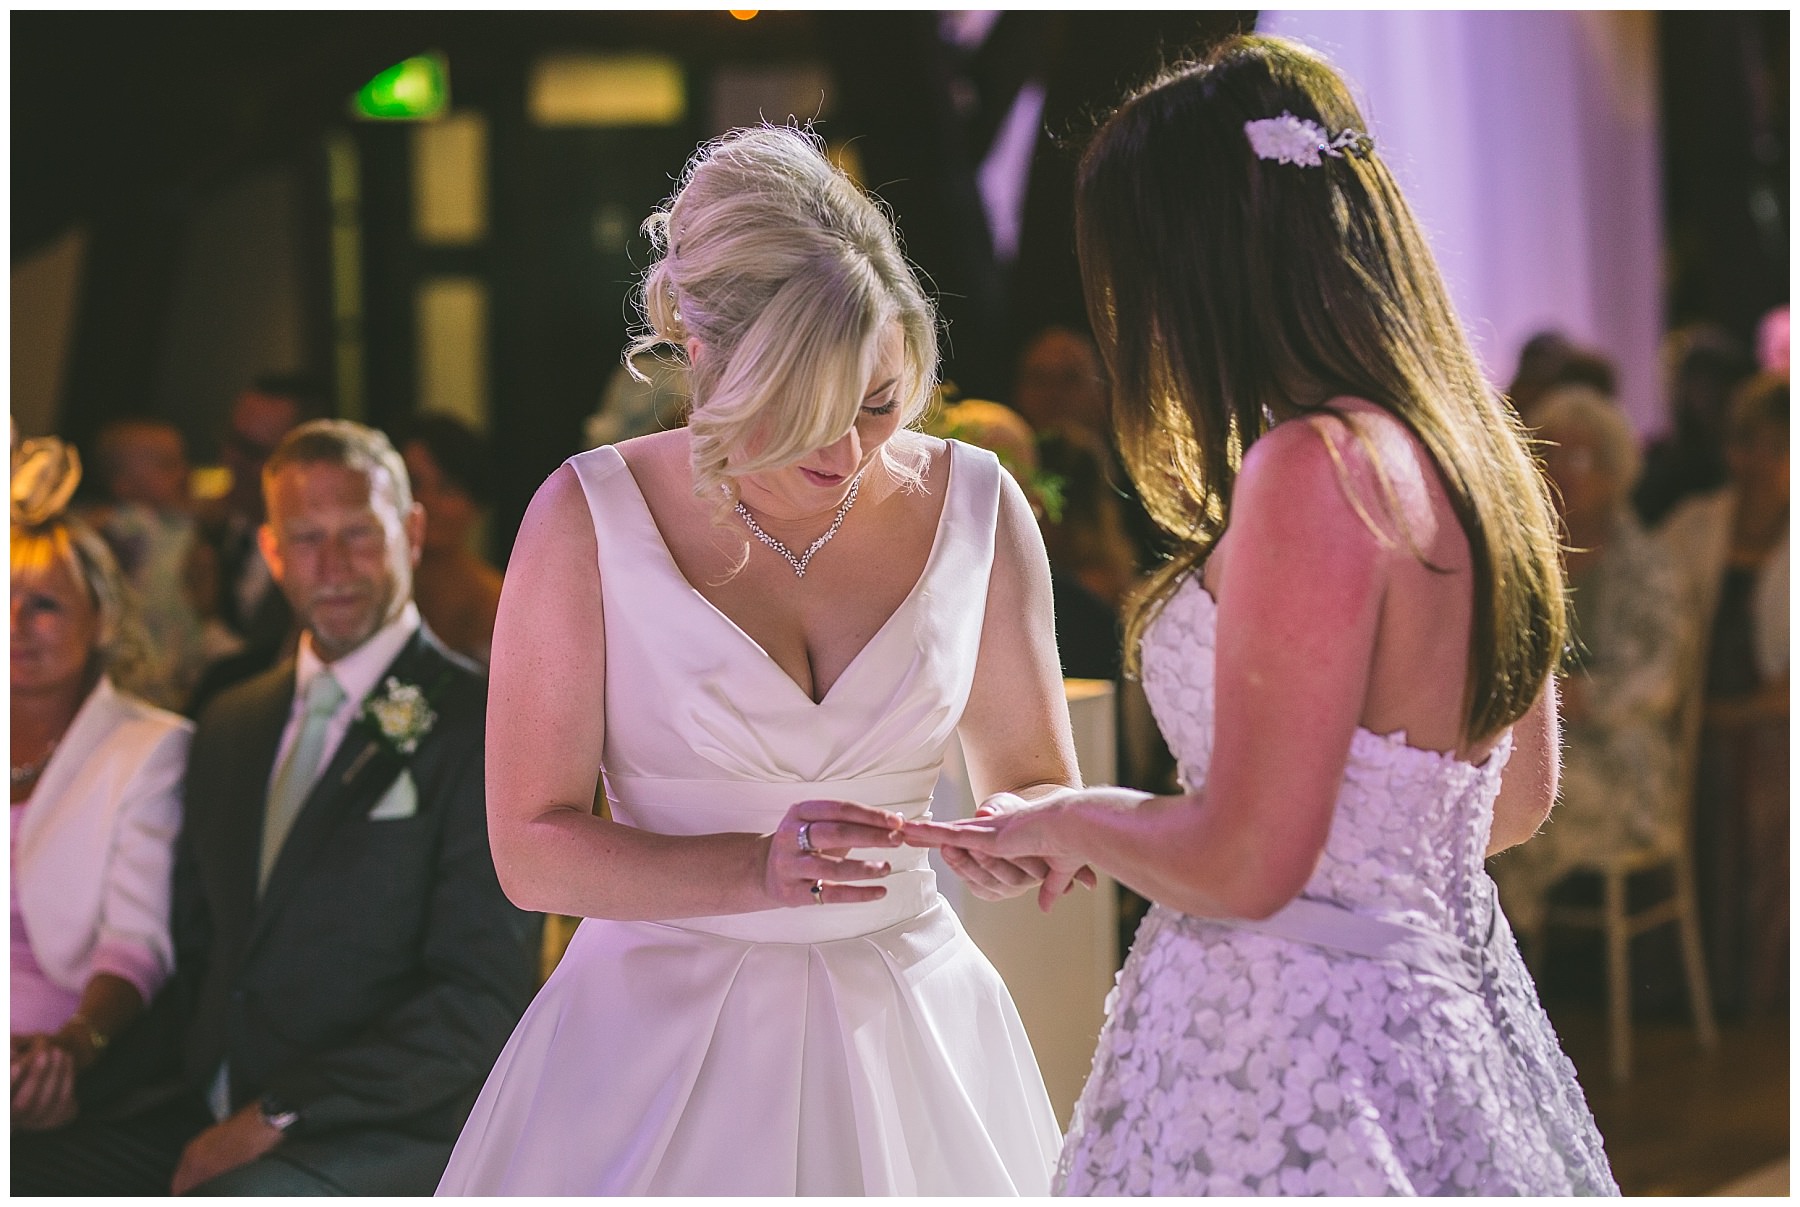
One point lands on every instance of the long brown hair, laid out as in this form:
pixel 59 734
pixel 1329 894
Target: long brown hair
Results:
pixel 1223 288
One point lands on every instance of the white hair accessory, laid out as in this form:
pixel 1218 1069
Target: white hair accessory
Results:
pixel 1290 139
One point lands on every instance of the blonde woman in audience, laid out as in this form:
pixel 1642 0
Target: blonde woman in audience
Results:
pixel 1621 690
pixel 96 778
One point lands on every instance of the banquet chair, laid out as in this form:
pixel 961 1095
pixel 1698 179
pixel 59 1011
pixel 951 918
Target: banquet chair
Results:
pixel 1674 857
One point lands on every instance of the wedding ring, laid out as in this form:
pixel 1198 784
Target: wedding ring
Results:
pixel 806 844
pixel 818 891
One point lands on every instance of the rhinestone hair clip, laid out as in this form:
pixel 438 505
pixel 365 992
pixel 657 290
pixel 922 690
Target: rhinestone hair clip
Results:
pixel 1290 139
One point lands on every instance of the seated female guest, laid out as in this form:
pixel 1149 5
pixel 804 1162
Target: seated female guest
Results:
pixel 1619 699
pixel 96 781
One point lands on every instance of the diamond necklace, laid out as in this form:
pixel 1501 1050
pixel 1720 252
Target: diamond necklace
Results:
pixel 799 563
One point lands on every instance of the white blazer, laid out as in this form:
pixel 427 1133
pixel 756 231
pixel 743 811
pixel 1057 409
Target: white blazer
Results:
pixel 96 845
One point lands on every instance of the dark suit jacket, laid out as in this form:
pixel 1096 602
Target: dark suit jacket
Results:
pixel 376 980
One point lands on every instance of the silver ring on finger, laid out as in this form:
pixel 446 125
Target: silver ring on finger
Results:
pixel 818 892
pixel 805 837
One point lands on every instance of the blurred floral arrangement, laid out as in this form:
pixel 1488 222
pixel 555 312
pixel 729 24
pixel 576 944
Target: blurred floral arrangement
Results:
pixel 1005 433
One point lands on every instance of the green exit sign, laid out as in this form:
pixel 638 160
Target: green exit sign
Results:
pixel 417 89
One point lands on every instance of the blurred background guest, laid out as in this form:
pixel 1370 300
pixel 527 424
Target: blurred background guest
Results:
pixel 1620 696
pixel 148 521
pixel 1060 386
pixel 457 591
pixel 1090 542
pixel 1550 359
pixel 1087 627
pixel 1104 537
pixel 631 407
pixel 252 610
pixel 95 798
pixel 1704 367
pixel 1734 543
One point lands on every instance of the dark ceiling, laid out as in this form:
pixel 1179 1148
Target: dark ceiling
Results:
pixel 116 110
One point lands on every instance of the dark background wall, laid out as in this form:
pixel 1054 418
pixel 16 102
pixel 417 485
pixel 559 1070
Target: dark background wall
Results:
pixel 188 153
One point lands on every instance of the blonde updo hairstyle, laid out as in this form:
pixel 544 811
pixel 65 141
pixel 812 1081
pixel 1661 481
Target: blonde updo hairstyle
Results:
pixel 786 272
pixel 45 473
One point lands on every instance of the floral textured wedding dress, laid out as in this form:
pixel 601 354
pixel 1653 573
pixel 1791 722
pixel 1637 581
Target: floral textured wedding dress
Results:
pixel 1383 1037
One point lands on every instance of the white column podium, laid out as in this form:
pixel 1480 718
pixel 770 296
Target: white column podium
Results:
pixel 1058 966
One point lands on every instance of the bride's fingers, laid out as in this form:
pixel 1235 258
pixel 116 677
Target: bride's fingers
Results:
pixel 1000 802
pixel 1055 885
pixel 967 835
pixel 1005 871
pixel 837 836
pixel 831 893
pixel 980 881
pixel 833 867
pixel 1035 869
pixel 839 825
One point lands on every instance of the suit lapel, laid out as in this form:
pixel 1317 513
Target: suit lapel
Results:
pixel 361 769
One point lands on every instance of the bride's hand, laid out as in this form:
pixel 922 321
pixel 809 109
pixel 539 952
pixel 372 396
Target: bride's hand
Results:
pixel 1005 849
pixel 795 875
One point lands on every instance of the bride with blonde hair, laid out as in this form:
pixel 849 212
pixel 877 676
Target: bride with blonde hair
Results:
pixel 728 665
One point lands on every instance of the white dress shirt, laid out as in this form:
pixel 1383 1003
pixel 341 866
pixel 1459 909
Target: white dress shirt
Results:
pixel 358 673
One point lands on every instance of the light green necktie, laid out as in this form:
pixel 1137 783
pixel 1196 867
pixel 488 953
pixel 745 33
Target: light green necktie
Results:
pixel 293 783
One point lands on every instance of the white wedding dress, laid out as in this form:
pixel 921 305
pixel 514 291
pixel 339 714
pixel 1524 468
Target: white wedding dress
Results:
pixel 1244 1060
pixel 840 1049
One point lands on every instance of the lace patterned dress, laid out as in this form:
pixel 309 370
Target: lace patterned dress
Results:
pixel 1237 1062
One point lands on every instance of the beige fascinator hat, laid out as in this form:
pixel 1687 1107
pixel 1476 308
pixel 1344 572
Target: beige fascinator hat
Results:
pixel 45 473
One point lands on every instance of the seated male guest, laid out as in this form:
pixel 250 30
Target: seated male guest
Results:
pixel 346 966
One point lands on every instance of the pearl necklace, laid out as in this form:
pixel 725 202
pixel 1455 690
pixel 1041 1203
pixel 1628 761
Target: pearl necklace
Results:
pixel 799 563
pixel 27 772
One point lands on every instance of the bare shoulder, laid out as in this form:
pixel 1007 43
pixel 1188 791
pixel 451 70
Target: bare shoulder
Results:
pixel 1359 464
pixel 1302 468
pixel 655 455
pixel 556 522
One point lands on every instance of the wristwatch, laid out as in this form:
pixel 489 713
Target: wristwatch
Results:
pixel 277 1114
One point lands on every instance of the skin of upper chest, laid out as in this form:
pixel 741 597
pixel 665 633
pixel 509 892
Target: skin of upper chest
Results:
pixel 814 627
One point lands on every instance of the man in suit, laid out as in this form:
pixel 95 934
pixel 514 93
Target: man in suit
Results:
pixel 347 967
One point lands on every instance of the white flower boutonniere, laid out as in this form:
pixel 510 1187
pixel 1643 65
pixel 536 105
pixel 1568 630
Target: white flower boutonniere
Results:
pixel 400 714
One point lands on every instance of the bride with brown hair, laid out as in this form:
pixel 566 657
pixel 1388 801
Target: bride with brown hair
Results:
pixel 1351 659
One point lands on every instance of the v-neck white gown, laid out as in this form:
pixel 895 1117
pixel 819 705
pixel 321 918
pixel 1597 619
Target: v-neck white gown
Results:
pixel 840 1049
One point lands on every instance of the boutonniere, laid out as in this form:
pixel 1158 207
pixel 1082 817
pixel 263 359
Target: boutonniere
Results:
pixel 400 714
pixel 396 716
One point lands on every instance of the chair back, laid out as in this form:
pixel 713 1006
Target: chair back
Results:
pixel 1700 567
